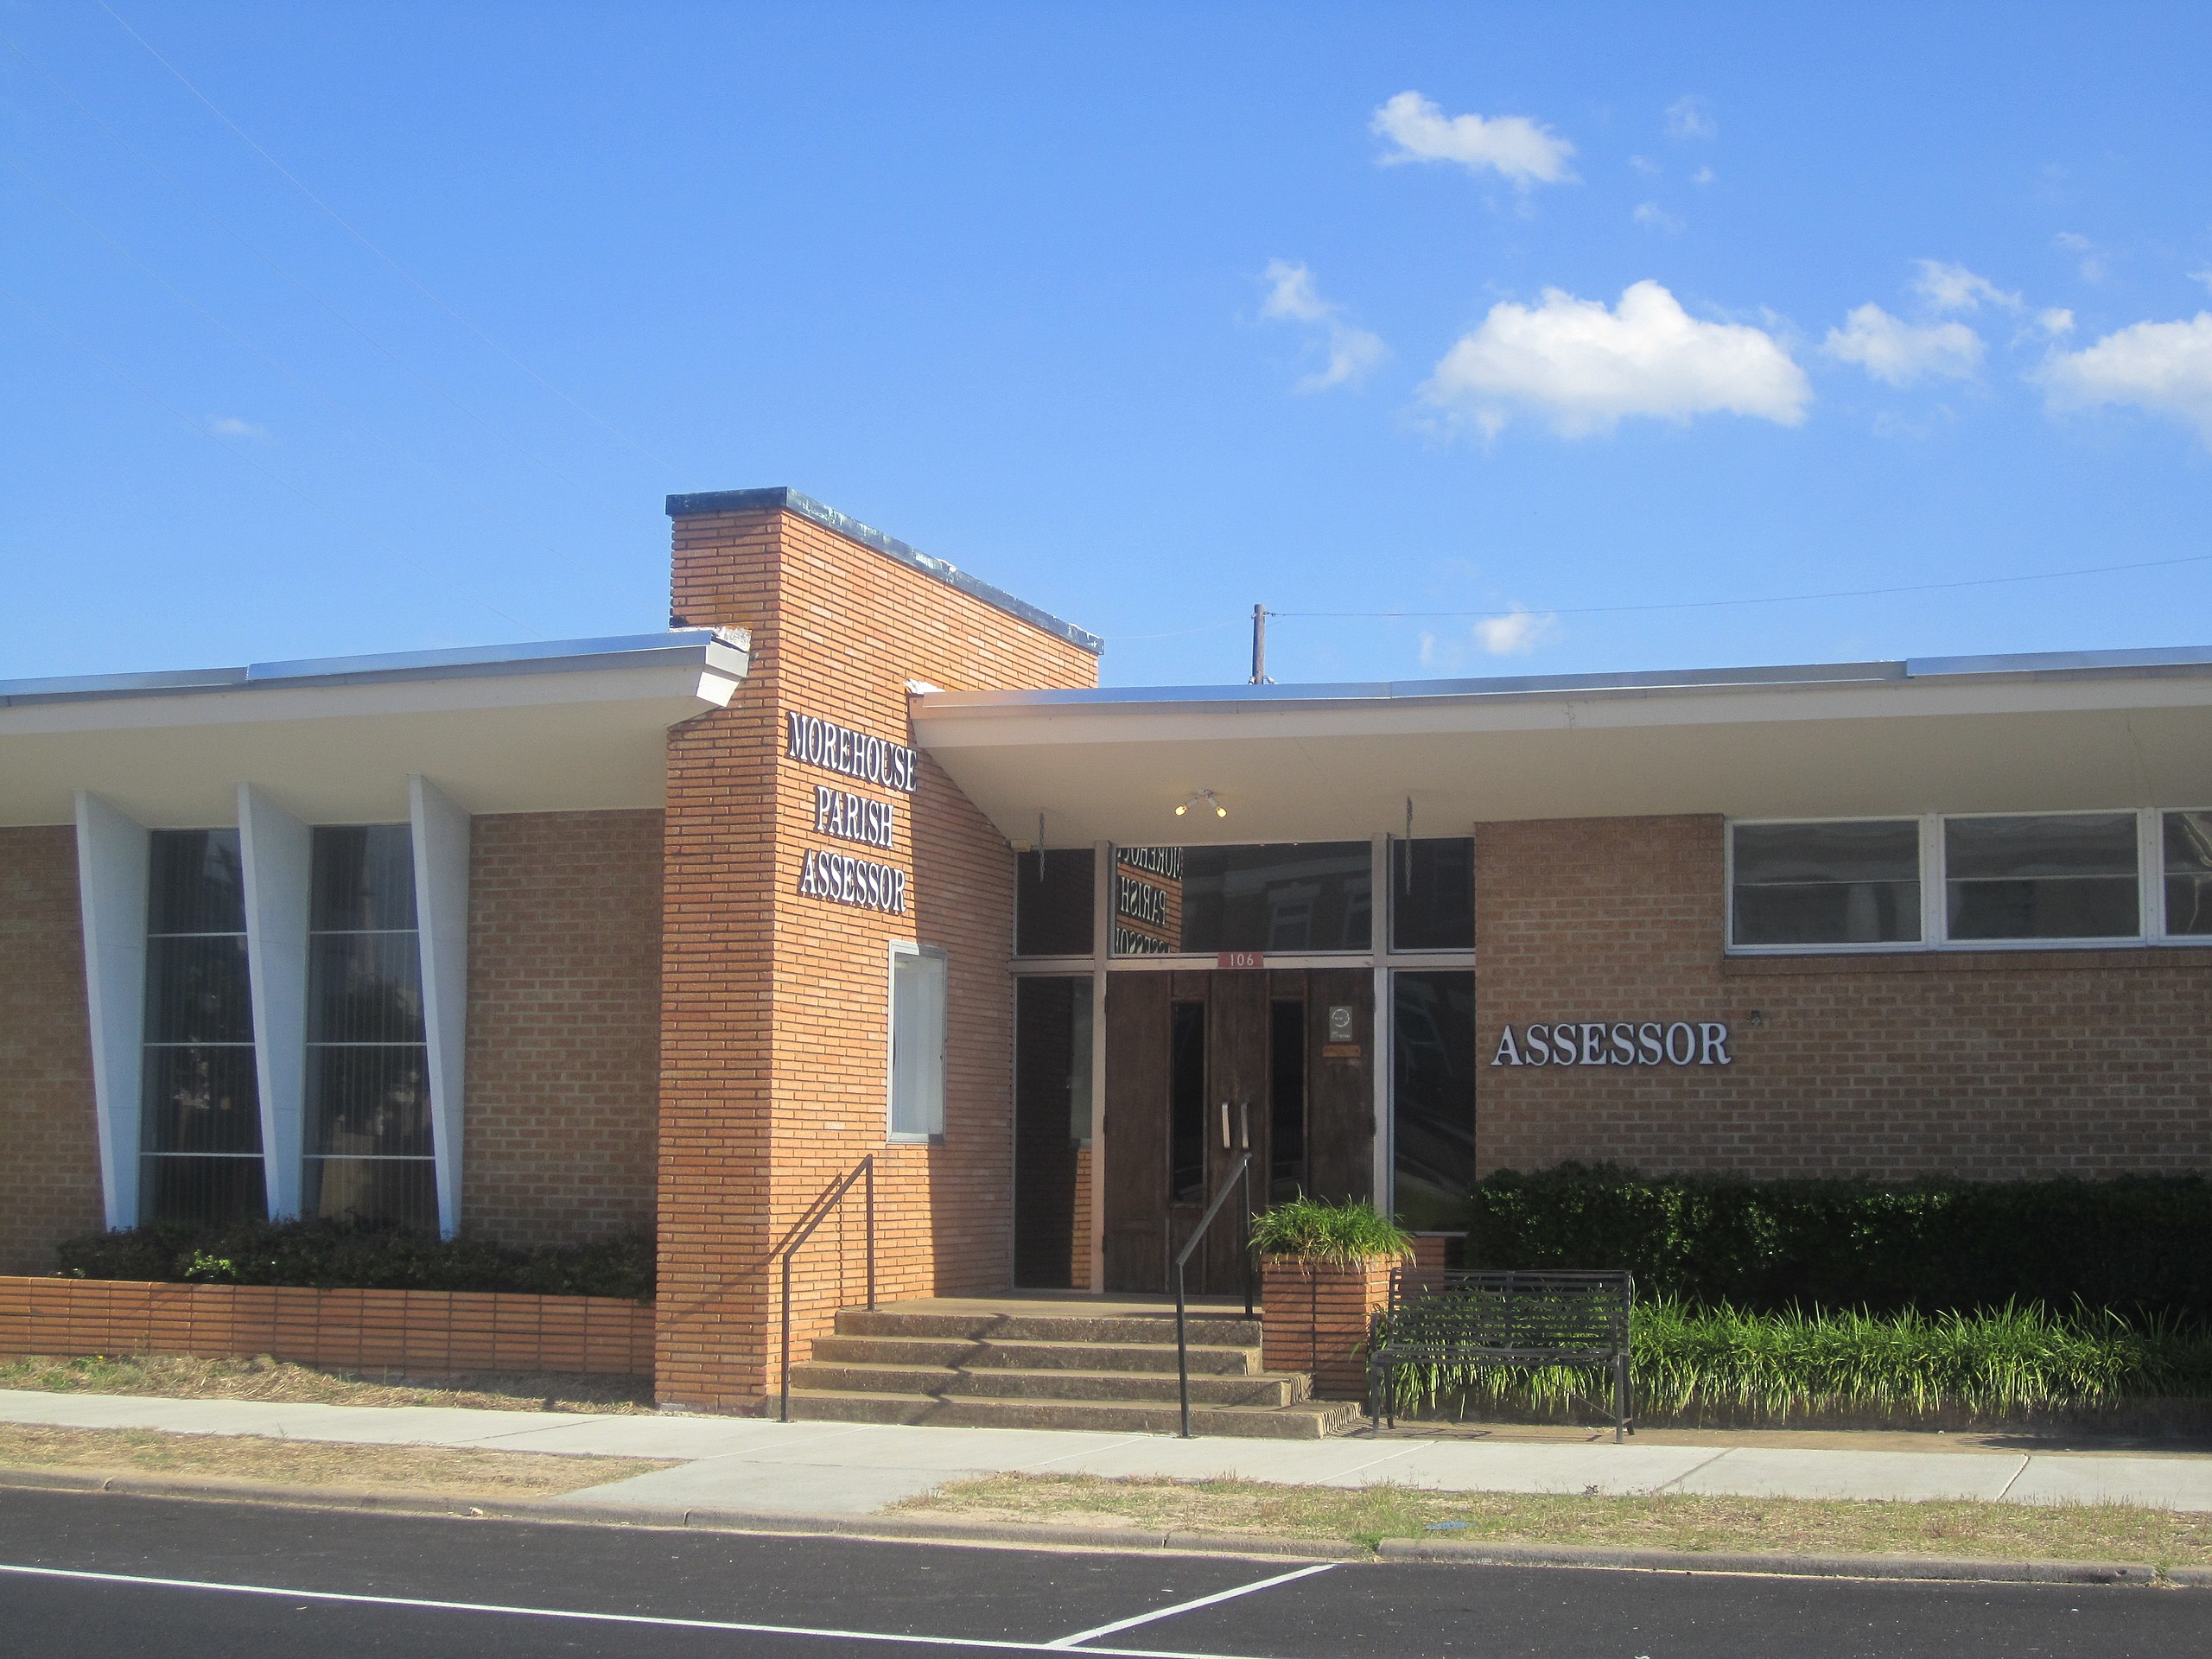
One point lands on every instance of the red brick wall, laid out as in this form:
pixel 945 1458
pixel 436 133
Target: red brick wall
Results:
pixel 425 1330
pixel 50 1177
pixel 1987 1064
pixel 775 1007
pixel 563 1025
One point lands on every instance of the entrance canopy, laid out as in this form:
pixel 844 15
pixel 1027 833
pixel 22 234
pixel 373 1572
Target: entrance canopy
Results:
pixel 1321 762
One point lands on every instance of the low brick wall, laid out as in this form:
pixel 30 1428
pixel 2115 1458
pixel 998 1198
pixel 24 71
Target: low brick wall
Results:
pixel 1315 1318
pixel 422 1330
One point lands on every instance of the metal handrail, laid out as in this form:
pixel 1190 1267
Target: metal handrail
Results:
pixel 789 1249
pixel 1241 1172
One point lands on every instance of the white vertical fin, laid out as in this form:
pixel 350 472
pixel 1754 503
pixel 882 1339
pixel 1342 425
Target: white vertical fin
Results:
pixel 274 850
pixel 112 855
pixel 441 836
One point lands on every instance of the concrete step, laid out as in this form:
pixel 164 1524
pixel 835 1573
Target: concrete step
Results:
pixel 1281 1389
pixel 1307 1420
pixel 1210 1330
pixel 1035 1356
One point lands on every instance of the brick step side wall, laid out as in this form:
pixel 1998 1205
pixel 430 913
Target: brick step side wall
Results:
pixel 423 1330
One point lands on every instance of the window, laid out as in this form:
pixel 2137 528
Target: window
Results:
pixel 200 1133
pixel 1293 897
pixel 1286 1099
pixel 1432 894
pixel 369 1150
pixel 1187 1102
pixel 1799 884
pixel 1052 1126
pixel 1052 903
pixel 2188 839
pixel 2063 876
pixel 917 1042
pixel 1432 1098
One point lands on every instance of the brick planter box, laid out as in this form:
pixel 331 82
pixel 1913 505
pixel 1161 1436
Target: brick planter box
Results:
pixel 422 1329
pixel 1315 1318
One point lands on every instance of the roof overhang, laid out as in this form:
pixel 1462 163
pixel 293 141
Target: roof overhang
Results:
pixel 1310 763
pixel 566 726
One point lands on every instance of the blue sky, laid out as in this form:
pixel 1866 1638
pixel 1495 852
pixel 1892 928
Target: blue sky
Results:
pixel 1146 314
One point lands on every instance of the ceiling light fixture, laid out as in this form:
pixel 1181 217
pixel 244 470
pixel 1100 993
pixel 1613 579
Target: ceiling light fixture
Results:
pixel 1205 798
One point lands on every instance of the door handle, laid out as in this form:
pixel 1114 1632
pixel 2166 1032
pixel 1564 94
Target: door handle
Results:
pixel 1244 1126
pixel 1225 1126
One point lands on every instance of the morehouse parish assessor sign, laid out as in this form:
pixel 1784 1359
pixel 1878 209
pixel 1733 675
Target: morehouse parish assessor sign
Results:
pixel 842 877
pixel 1588 1042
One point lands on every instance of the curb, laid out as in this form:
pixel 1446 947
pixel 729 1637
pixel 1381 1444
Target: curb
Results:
pixel 1031 1535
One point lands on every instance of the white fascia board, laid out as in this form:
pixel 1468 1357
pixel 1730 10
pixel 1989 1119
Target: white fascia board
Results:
pixel 440 831
pixel 113 861
pixel 276 850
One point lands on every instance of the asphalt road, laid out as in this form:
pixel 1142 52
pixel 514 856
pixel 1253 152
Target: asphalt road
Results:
pixel 174 1580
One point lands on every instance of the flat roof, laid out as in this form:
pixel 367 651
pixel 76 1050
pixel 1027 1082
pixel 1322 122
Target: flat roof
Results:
pixel 806 506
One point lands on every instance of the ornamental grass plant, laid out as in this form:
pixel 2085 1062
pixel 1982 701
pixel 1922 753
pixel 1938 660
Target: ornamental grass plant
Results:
pixel 1727 1363
pixel 1336 1235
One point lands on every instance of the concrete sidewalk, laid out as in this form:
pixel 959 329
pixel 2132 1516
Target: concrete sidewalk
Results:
pixel 747 1464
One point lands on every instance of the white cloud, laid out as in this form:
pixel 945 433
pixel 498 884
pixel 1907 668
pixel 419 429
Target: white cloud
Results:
pixel 1585 368
pixel 1691 118
pixel 1524 150
pixel 230 426
pixel 1653 217
pixel 1899 352
pixel 2203 277
pixel 2165 367
pixel 1644 165
pixel 1292 297
pixel 1517 632
pixel 1954 288
pixel 2055 321
pixel 2093 266
pixel 1703 176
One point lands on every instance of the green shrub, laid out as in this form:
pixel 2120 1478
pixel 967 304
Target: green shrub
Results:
pixel 1794 1364
pixel 337 1256
pixel 1341 1233
pixel 2142 1244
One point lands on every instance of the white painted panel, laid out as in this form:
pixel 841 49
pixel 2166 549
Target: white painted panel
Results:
pixel 276 849
pixel 441 837
pixel 112 856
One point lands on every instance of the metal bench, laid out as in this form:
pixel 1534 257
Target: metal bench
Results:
pixel 1484 1318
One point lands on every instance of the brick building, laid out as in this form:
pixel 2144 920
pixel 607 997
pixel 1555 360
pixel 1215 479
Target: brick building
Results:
pixel 855 868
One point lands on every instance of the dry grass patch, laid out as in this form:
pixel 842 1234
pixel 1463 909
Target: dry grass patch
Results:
pixel 1773 1526
pixel 181 1377
pixel 445 1472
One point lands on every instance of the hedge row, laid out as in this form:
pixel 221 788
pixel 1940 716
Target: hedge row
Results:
pixel 334 1255
pixel 2140 1244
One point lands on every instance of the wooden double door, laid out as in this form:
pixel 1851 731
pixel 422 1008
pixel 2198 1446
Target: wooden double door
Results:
pixel 1203 1068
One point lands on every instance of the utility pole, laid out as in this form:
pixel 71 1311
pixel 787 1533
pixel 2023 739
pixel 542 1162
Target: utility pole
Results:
pixel 1259 644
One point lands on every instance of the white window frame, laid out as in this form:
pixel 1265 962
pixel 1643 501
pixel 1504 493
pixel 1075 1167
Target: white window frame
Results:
pixel 1875 948
pixel 892 1133
pixel 1934 889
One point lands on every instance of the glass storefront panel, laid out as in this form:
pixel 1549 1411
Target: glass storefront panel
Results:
pixel 1432 1097
pixel 1051 1132
pixel 1433 893
pixel 1293 897
pixel 1052 902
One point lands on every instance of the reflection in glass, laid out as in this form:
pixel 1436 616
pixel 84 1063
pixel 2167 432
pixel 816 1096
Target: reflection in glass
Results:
pixel 1828 883
pixel 369 1155
pixel 1432 1097
pixel 1052 903
pixel 1052 1132
pixel 199 1124
pixel 1432 894
pixel 2069 876
pixel 1296 897
pixel 2189 873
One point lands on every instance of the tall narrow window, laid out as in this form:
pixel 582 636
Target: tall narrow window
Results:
pixel 917 1042
pixel 1051 902
pixel 1187 1102
pixel 1286 1099
pixel 2188 874
pixel 1433 1098
pixel 1827 883
pixel 2065 876
pixel 1432 894
pixel 370 1155
pixel 200 1128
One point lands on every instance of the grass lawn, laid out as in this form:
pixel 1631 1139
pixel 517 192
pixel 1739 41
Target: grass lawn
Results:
pixel 183 1378
pixel 1768 1526
pixel 445 1472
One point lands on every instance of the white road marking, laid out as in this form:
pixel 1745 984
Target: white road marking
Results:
pixel 1186 1606
pixel 280 1593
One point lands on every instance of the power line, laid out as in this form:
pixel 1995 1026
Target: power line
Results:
pixel 406 275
